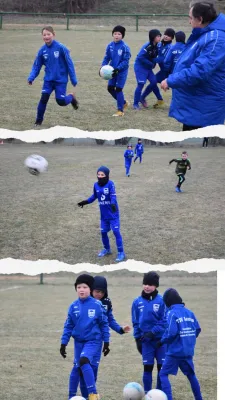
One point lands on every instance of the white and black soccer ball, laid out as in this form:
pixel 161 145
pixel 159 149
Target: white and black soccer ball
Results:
pixel 133 391
pixel 77 398
pixel 106 72
pixel 36 164
pixel 156 394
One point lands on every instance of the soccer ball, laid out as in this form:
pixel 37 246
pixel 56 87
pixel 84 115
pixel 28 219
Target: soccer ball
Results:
pixel 36 164
pixel 77 398
pixel 156 394
pixel 133 391
pixel 106 72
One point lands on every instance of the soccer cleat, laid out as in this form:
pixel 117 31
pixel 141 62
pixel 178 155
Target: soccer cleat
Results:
pixel 136 108
pixel 118 114
pixel 93 396
pixel 144 103
pixel 37 123
pixel 104 252
pixel 159 103
pixel 126 105
pixel 178 190
pixel 120 257
pixel 74 102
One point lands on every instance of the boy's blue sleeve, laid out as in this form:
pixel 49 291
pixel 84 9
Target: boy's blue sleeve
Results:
pixel 125 154
pixel 135 322
pixel 93 197
pixel 107 57
pixel 160 326
pixel 171 330
pixel 104 324
pixel 197 327
pixel 71 69
pixel 143 57
pixel 112 193
pixel 124 64
pixel 38 62
pixel 68 329
pixel 168 61
pixel 113 324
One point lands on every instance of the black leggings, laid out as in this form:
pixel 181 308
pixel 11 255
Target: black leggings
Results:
pixel 205 142
pixel 181 179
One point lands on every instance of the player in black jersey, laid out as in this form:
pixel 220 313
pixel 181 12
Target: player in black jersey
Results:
pixel 183 164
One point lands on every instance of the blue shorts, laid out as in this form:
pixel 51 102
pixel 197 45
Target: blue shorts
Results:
pixel 150 352
pixel 142 75
pixel 128 162
pixel 59 88
pixel 107 225
pixel 172 364
pixel 119 80
pixel 89 350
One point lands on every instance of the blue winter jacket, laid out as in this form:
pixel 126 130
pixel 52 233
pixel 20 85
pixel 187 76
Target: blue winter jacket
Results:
pixel 58 64
pixel 172 56
pixel 106 196
pixel 198 79
pixel 128 155
pixel 86 321
pixel 181 333
pixel 139 149
pixel 148 316
pixel 146 57
pixel 117 55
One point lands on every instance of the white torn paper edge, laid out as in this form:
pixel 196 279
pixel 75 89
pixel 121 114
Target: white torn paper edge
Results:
pixel 48 135
pixel 32 268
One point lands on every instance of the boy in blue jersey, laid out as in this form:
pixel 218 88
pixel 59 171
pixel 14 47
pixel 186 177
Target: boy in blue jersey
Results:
pixel 139 150
pixel 163 48
pixel 144 63
pixel 100 292
pixel 128 155
pixel 58 65
pixel 174 52
pixel 118 55
pixel 180 338
pixel 149 324
pixel 104 190
pixel 88 325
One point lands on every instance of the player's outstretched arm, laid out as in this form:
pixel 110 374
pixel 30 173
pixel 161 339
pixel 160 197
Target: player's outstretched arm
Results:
pixel 36 68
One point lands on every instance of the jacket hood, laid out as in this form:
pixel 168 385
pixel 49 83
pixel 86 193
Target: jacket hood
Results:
pixel 218 23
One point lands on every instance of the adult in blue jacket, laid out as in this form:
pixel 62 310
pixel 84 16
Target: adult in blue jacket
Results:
pixel 104 190
pixel 198 79
pixel 139 150
pixel 88 325
pixel 180 338
pixel 118 56
pixel 149 324
pixel 128 155
pixel 58 65
pixel 174 52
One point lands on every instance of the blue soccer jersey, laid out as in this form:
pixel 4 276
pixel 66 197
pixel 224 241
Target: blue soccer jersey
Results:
pixel 106 196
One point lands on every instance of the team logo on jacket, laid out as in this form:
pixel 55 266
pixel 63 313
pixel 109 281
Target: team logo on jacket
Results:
pixel 102 197
pixel 106 190
pixel 91 313
pixel 120 52
pixel 56 54
pixel 155 307
pixel 45 56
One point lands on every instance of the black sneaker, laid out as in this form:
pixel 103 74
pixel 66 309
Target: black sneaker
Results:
pixel 75 103
pixel 38 123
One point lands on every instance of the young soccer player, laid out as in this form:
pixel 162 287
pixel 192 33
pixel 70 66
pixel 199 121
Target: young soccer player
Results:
pixel 118 55
pixel 144 63
pixel 163 48
pixel 88 325
pixel 205 142
pixel 58 65
pixel 148 318
pixel 174 52
pixel 128 155
pixel 183 164
pixel 104 190
pixel 139 150
pixel 180 339
pixel 100 292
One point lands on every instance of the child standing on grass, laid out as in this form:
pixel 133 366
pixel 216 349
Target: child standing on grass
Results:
pixel 88 325
pixel 118 55
pixel 180 338
pixel 58 65
pixel 128 155
pixel 183 164
pixel 104 190
pixel 149 324
pixel 139 150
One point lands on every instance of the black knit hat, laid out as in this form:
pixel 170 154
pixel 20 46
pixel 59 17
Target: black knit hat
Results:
pixel 120 29
pixel 84 278
pixel 151 278
pixel 104 169
pixel 170 32
pixel 171 297
pixel 180 36
pixel 153 33
pixel 100 283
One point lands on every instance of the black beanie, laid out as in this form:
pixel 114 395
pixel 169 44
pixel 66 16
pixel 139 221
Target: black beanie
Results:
pixel 120 29
pixel 84 278
pixel 151 279
pixel 171 297
pixel 100 283
pixel 153 33
pixel 180 36
pixel 104 169
pixel 170 32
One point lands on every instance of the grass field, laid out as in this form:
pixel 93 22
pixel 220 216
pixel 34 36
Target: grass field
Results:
pixel 32 320
pixel 40 218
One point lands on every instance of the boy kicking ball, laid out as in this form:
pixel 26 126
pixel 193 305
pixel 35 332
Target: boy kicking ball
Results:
pixel 183 164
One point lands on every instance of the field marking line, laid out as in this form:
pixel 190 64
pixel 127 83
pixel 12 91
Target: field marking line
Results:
pixel 10 288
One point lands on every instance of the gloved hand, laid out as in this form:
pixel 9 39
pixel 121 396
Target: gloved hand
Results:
pixel 82 203
pixel 115 72
pixel 149 335
pixel 30 83
pixel 106 349
pixel 113 208
pixel 63 350
pixel 139 345
pixel 159 344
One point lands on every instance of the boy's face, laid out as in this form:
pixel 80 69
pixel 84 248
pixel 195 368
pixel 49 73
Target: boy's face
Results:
pixel 167 38
pixel 157 39
pixel 98 294
pixel 129 148
pixel 117 36
pixel 47 36
pixel 139 141
pixel 101 174
pixel 83 291
pixel 184 156
pixel 149 288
